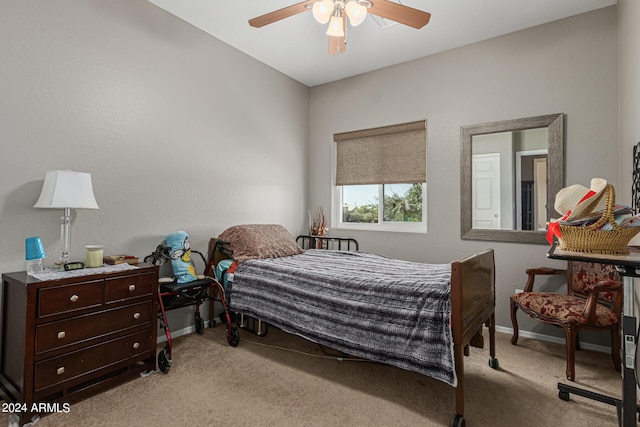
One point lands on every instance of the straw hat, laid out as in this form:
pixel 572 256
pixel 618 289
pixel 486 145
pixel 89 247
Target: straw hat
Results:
pixel 578 201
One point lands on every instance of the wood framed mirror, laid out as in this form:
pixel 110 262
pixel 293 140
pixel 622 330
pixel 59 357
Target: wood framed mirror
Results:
pixel 510 172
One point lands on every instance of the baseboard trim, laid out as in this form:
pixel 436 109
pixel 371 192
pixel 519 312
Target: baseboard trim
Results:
pixel 162 337
pixel 555 340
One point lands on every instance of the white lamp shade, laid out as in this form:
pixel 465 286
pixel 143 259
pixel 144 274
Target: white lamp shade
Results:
pixel 67 189
pixel 336 27
pixel 356 13
pixel 322 10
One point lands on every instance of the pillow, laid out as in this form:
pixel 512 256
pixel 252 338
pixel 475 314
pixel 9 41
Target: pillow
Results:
pixel 252 241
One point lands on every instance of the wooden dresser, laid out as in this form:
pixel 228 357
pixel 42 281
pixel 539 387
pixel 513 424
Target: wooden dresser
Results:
pixel 65 339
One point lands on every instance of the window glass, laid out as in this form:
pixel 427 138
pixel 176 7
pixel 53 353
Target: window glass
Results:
pixel 360 203
pixel 402 202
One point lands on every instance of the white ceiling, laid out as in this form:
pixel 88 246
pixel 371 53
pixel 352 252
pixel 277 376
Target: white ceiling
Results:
pixel 297 46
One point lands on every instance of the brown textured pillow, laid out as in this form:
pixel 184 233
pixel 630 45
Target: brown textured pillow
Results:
pixel 250 241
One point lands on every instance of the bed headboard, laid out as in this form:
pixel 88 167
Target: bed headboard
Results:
pixel 326 242
pixel 215 255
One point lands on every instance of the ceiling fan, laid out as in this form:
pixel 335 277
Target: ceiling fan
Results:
pixel 336 12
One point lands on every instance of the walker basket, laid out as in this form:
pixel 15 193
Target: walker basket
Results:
pixel 591 239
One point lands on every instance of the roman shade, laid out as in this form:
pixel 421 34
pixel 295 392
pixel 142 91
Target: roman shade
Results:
pixel 385 155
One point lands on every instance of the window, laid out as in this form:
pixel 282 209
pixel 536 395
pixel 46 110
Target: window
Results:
pixel 381 178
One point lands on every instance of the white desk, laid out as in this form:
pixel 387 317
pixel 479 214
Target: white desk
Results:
pixel 628 267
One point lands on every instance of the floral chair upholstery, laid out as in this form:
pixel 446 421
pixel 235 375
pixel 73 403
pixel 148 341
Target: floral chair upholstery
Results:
pixel 593 301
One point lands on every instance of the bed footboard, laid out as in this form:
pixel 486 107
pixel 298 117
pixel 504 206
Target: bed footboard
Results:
pixel 472 307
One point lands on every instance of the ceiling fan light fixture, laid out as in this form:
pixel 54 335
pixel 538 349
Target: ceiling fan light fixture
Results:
pixel 322 10
pixel 356 12
pixel 336 25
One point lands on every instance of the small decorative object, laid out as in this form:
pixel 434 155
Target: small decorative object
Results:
pixel 94 256
pixel 121 259
pixel 70 266
pixel 180 254
pixel 317 225
pixel 35 255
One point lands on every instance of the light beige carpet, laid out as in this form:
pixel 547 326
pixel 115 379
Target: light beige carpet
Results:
pixel 213 384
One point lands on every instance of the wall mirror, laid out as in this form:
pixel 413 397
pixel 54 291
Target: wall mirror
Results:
pixel 510 173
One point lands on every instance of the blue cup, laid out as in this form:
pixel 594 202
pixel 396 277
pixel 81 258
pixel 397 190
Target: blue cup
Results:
pixel 34 249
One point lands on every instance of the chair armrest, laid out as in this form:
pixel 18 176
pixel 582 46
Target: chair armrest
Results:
pixel 592 300
pixel 540 271
pixel 604 286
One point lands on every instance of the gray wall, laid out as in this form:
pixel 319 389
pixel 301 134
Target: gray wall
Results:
pixel 179 130
pixel 568 66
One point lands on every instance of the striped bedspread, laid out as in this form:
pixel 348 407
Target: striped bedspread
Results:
pixel 386 310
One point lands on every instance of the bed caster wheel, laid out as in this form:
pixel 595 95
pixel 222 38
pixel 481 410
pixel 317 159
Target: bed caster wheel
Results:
pixel 234 337
pixel 458 421
pixel 264 332
pixel 199 324
pixel 493 363
pixel 563 395
pixel 164 361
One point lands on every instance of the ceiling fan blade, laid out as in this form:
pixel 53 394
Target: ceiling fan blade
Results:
pixel 337 45
pixel 279 14
pixel 400 13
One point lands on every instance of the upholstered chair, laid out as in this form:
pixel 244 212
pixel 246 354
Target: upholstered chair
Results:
pixel 593 301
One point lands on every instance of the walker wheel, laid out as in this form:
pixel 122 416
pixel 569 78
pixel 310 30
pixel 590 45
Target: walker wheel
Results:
pixel 458 421
pixel 234 338
pixel 164 361
pixel 199 324
pixel 493 363
pixel 564 395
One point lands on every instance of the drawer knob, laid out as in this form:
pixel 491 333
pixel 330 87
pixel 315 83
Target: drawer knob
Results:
pixel 132 288
pixel 61 335
pixel 136 316
pixel 60 370
pixel 74 298
pixel 136 345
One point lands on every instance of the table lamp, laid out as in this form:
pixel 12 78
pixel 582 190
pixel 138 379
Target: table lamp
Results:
pixel 66 189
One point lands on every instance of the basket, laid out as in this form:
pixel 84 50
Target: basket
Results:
pixel 590 239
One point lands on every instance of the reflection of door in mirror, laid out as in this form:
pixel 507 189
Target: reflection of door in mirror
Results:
pixel 509 180
pixel 486 197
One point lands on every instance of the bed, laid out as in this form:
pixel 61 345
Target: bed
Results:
pixel 416 316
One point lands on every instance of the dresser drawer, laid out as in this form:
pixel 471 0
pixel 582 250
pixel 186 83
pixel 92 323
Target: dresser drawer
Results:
pixel 133 286
pixel 57 370
pixel 63 299
pixel 54 335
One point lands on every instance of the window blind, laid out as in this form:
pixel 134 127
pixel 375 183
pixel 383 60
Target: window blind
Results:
pixel 385 155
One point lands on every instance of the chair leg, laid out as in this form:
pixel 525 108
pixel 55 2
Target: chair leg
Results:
pixel 570 333
pixel 615 348
pixel 514 322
